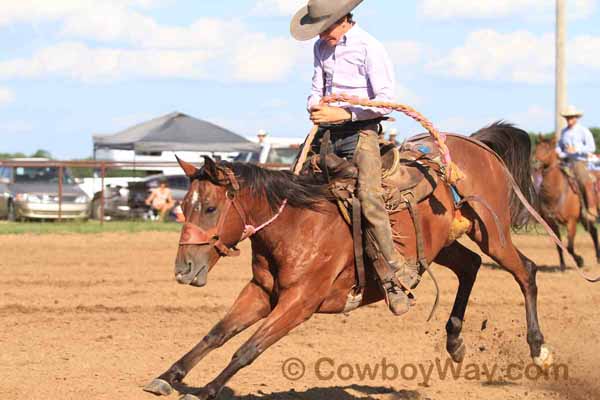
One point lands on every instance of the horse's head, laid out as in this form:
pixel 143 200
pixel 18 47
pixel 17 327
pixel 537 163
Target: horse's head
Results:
pixel 545 152
pixel 214 221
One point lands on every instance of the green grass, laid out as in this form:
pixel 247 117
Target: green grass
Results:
pixel 81 227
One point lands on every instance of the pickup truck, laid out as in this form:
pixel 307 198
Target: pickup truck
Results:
pixel 281 154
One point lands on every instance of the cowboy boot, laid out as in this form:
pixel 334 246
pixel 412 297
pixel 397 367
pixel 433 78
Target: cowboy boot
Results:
pixel 400 298
pixel 397 278
pixel 390 266
pixel 590 197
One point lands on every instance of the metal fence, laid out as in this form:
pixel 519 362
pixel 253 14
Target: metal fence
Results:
pixel 102 167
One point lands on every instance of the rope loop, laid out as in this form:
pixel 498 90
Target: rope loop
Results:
pixel 452 173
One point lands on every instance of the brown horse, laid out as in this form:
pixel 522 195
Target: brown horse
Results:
pixel 303 261
pixel 560 203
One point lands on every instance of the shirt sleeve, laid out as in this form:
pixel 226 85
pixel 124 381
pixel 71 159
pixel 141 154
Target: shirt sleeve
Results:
pixel 318 82
pixel 590 144
pixel 380 76
pixel 559 148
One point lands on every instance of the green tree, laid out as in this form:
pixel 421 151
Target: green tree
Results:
pixel 596 133
pixel 6 156
pixel 42 154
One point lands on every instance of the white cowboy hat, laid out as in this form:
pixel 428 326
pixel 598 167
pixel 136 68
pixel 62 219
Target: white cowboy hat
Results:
pixel 318 15
pixel 572 111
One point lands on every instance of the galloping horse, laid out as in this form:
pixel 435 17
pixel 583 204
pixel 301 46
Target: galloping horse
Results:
pixel 560 202
pixel 303 256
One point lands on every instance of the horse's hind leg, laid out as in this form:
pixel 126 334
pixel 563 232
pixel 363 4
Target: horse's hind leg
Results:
pixel 594 234
pixel 524 271
pixel 556 229
pixel 571 232
pixel 252 305
pixel 465 264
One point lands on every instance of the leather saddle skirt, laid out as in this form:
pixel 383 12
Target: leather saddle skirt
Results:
pixel 411 170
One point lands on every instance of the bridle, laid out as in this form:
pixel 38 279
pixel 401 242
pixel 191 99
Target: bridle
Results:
pixel 193 235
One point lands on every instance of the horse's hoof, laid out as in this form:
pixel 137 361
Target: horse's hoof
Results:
pixel 189 397
pixel 159 387
pixel 545 359
pixel 458 355
pixel 580 262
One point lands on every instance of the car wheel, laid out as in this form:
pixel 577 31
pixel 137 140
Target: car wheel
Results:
pixel 12 212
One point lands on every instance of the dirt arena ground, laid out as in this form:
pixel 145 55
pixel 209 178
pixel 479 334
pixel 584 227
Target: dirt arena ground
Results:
pixel 98 316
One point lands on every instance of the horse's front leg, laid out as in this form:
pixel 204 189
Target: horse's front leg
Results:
pixel 252 305
pixel 556 229
pixel 571 232
pixel 295 306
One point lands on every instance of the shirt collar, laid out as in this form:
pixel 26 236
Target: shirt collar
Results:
pixel 349 35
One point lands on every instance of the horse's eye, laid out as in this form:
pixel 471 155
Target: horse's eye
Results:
pixel 210 210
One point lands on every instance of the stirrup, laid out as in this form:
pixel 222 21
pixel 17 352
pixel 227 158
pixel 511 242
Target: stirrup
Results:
pixel 400 288
pixel 397 300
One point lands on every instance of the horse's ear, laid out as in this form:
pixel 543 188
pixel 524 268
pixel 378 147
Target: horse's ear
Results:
pixel 553 139
pixel 188 168
pixel 210 167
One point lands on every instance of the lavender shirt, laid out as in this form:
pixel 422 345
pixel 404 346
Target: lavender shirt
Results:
pixel 580 138
pixel 358 66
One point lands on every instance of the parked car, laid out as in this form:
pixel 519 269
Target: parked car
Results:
pixel 32 193
pixel 116 203
pixel 130 202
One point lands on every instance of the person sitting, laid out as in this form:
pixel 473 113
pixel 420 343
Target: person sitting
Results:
pixel 576 145
pixel 161 200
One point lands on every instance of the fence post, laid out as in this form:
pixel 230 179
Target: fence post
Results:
pixel 102 174
pixel 60 191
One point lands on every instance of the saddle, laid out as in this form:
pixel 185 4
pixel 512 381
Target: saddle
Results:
pixel 568 171
pixel 408 171
pixel 409 175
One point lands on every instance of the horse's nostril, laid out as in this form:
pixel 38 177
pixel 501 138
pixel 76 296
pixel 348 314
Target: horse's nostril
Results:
pixel 183 268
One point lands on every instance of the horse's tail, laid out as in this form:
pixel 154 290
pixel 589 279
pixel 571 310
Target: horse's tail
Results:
pixel 514 147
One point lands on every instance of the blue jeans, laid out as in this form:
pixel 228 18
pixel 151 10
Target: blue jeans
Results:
pixel 362 147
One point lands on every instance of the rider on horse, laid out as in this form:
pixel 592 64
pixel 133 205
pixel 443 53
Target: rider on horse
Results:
pixel 347 60
pixel 576 144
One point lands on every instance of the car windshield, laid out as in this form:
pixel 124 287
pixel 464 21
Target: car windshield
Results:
pixel 40 175
pixel 248 156
pixel 286 155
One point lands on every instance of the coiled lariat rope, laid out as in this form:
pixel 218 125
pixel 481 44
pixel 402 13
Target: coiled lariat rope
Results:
pixel 452 173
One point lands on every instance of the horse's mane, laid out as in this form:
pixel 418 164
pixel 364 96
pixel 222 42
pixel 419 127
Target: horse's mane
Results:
pixel 275 186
